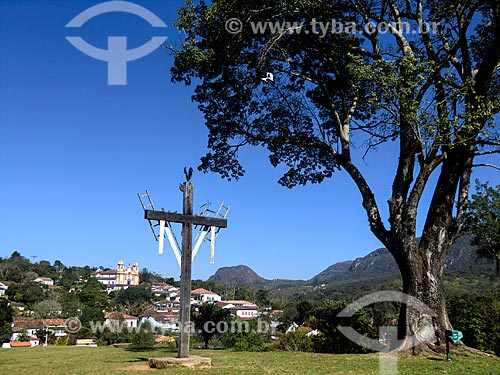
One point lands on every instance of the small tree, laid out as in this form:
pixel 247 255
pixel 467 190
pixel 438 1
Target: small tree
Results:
pixel 144 338
pixel 330 339
pixel 6 314
pixel 93 294
pixel 48 308
pixel 91 314
pixel 483 221
pixel 133 299
pixel 206 319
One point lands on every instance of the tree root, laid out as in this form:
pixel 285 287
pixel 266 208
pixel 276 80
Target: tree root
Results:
pixel 458 349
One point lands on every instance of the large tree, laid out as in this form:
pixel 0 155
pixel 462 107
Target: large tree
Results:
pixel 421 73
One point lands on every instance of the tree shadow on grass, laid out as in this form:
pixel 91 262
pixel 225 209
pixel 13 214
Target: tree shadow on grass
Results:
pixel 140 359
pixel 435 359
pixel 143 350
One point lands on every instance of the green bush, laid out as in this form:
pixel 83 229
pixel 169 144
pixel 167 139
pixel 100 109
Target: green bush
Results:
pixel 330 339
pixel 241 341
pixel 296 341
pixel 62 341
pixel 479 320
pixel 241 346
pixel 143 338
pixel 109 338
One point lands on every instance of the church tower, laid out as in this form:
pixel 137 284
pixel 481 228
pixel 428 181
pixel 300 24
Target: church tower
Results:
pixel 127 276
pixel 120 273
pixel 135 273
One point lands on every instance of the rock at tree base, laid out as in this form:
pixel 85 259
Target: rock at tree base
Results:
pixel 192 361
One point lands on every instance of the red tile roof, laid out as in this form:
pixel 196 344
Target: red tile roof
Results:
pixel 238 302
pixel 19 344
pixel 116 316
pixel 22 324
pixel 53 322
pixel 108 272
pixel 254 307
pixel 202 291
pixel 223 304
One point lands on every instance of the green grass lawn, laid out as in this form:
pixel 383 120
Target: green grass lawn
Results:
pixel 114 361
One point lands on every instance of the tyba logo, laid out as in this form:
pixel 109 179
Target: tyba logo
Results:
pixel 117 55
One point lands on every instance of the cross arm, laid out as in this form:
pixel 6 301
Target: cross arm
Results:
pixel 187 219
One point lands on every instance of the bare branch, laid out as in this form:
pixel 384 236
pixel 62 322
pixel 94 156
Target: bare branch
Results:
pixel 369 203
pixel 487 165
pixel 490 152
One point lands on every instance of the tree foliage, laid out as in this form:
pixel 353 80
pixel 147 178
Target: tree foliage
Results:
pixel 205 319
pixel 479 320
pixel 132 299
pixel 143 338
pixel 6 315
pixel 26 292
pixel 435 93
pixel 74 275
pixel 330 340
pixel 483 216
pixel 149 277
pixel 92 294
pixel 48 308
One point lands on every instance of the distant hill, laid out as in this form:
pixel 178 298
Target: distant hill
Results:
pixel 241 274
pixel 333 271
pixel 377 265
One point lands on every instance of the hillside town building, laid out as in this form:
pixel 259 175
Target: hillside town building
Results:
pixel 121 278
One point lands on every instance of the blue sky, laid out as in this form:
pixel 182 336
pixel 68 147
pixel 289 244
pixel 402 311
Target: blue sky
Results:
pixel 74 152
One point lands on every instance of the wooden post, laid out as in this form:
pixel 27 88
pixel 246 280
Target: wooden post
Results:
pixel 188 220
pixel 187 249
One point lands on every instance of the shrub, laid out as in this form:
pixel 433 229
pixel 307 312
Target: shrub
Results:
pixel 62 341
pixel 479 320
pixel 330 339
pixel 143 338
pixel 296 341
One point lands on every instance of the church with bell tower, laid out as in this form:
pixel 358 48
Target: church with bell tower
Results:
pixel 127 276
pixel 121 278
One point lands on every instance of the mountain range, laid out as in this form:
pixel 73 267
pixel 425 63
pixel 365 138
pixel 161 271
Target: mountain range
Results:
pixel 378 266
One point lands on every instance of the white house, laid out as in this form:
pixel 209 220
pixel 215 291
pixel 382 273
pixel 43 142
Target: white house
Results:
pixel 116 320
pixel 18 305
pixel 245 312
pixel 204 296
pixel 31 326
pixel 44 280
pixel 170 292
pixel 4 285
pixel 166 306
pixel 162 322
pixel 242 309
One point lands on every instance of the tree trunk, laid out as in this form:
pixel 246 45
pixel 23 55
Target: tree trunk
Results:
pixel 422 276
pixel 422 263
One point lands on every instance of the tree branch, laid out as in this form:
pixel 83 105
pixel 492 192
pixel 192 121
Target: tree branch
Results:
pixel 487 165
pixel 369 203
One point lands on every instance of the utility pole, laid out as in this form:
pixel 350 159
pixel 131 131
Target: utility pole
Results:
pixel 188 219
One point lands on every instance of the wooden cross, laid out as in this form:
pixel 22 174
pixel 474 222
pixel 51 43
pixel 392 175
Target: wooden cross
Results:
pixel 188 220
